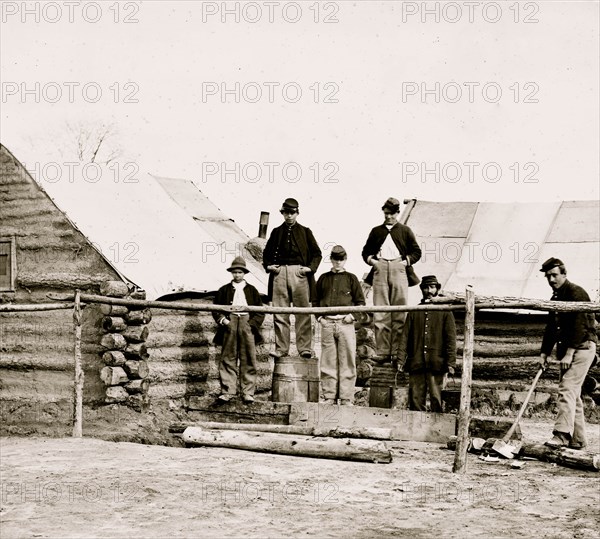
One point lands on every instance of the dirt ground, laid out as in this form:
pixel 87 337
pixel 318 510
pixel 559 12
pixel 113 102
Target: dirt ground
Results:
pixel 62 487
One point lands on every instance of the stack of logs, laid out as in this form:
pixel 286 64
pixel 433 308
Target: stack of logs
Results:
pixel 365 348
pixel 126 369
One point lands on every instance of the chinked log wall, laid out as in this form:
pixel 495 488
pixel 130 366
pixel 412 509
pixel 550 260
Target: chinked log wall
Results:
pixel 36 348
pixel 183 359
pixel 507 348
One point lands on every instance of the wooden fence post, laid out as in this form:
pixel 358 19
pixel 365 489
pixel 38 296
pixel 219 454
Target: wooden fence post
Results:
pixel 78 389
pixel 464 410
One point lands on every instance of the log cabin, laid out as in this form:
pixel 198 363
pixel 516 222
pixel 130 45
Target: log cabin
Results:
pixel 43 252
pixel 57 238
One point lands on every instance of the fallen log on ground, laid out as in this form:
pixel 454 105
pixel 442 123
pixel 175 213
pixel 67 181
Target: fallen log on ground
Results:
pixel 563 456
pixel 287 444
pixel 371 433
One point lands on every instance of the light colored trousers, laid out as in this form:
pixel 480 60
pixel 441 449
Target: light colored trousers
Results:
pixel 238 342
pixel 570 417
pixel 390 287
pixel 291 287
pixel 338 359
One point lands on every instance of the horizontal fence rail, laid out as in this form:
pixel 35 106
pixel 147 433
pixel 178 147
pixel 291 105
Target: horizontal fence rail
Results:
pixel 22 307
pixel 440 305
pixel 468 303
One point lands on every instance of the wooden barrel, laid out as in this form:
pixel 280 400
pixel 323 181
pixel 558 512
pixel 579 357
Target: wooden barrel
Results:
pixel 296 380
pixel 383 380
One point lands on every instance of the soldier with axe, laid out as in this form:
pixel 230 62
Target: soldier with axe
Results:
pixel 575 339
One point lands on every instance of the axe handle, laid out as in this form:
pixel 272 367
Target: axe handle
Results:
pixel 523 406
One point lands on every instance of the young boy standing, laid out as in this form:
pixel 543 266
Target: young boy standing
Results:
pixel 338 288
pixel 238 333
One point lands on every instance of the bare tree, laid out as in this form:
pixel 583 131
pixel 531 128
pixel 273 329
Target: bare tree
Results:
pixel 95 143
pixel 83 141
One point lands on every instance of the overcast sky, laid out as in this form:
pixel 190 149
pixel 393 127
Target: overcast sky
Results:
pixel 359 105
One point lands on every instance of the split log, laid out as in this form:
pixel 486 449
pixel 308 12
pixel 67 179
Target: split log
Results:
pixel 287 444
pixel 135 318
pixel 173 322
pixel 42 278
pixel 520 368
pixel 114 323
pixel 136 369
pixel 139 401
pixel 59 359
pixel 136 334
pixel 501 350
pixel 364 370
pixel 179 338
pixel 365 336
pixel 113 310
pixel 113 376
pixel 116 394
pixel 115 289
pixel 371 433
pixel 138 294
pixel 365 351
pixel 137 386
pixel 163 371
pixel 113 358
pixel 186 354
pixel 136 350
pixel 113 341
pixel 563 456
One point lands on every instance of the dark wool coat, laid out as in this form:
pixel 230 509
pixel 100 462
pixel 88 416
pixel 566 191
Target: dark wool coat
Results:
pixel 225 297
pixel 306 244
pixel 404 239
pixel 428 342
pixel 568 329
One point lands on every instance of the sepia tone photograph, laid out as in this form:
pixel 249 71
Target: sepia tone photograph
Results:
pixel 299 269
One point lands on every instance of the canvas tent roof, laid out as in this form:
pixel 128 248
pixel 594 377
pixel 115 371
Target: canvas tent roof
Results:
pixel 499 248
pixel 148 237
pixel 228 237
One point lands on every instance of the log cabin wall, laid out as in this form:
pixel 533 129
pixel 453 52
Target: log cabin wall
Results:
pixel 506 353
pixel 507 347
pixel 46 254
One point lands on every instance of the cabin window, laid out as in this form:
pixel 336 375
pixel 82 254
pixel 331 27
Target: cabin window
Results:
pixel 7 264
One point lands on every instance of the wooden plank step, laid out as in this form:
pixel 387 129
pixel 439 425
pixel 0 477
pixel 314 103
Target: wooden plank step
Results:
pixel 209 409
pixel 404 424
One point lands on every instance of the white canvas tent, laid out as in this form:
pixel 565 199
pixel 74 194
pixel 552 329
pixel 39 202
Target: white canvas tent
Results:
pixel 499 248
pixel 149 238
